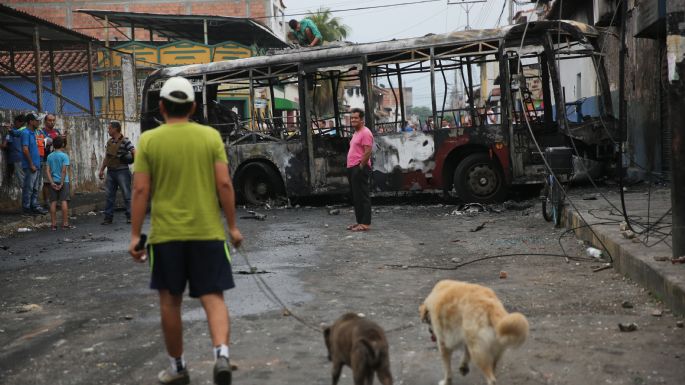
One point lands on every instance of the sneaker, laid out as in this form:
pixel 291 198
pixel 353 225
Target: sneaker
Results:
pixel 166 377
pixel 39 210
pixel 107 221
pixel 222 371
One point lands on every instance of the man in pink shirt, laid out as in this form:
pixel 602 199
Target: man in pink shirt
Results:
pixel 359 170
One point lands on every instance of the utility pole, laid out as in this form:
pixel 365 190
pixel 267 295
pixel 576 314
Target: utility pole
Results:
pixel 675 48
pixel 467 5
pixel 511 11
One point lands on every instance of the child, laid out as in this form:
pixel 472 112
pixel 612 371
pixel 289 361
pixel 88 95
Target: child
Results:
pixel 58 176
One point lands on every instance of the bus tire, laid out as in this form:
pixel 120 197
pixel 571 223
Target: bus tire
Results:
pixel 479 179
pixel 260 183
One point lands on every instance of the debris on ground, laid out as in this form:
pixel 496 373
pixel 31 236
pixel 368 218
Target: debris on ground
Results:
pixel 23 230
pixel 29 308
pixel 627 305
pixel 594 253
pixel 678 260
pixel 657 313
pixel 254 215
pixel 661 258
pixel 628 234
pixel 518 206
pixel 623 226
pixel 606 266
pixel 91 213
pixel 589 197
pixel 334 212
pixel 503 275
pixel 680 324
pixel 479 227
pixel 631 327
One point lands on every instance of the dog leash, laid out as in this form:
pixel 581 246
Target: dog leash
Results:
pixel 269 293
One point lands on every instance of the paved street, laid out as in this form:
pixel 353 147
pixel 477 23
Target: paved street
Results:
pixel 75 309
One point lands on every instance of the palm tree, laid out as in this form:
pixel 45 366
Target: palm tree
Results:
pixel 330 27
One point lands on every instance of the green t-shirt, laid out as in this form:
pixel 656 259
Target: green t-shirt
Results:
pixel 180 160
pixel 301 35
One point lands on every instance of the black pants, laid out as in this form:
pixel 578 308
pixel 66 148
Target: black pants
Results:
pixel 359 184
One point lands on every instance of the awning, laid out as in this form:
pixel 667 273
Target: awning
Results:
pixel 285 104
pixel 17 29
pixel 220 29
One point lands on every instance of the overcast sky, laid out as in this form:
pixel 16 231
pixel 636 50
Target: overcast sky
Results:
pixel 403 21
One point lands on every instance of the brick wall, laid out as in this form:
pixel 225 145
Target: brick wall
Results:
pixel 63 12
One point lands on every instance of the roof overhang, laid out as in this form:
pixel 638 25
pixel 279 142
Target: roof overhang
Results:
pixel 17 29
pixel 220 29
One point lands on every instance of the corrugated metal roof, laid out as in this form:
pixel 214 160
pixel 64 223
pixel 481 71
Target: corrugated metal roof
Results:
pixel 17 29
pixel 191 27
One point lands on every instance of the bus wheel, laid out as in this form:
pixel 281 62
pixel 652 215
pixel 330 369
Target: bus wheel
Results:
pixel 479 179
pixel 260 183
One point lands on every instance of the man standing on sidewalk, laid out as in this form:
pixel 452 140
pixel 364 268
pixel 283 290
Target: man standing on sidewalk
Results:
pixel 359 170
pixel 31 167
pixel 184 165
pixel 16 153
pixel 119 148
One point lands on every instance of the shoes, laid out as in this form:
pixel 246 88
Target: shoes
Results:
pixel 27 212
pixel 128 220
pixel 166 377
pixel 39 210
pixel 222 371
pixel 107 221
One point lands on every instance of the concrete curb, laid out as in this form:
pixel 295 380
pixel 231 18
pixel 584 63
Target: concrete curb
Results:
pixel 635 261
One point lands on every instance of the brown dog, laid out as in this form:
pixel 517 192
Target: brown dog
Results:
pixel 360 344
pixel 468 315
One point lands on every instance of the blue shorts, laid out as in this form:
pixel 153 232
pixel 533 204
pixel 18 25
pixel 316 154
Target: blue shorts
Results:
pixel 204 265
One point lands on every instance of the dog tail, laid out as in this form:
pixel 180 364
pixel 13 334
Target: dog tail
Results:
pixel 374 351
pixel 512 330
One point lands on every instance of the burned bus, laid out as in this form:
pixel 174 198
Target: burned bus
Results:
pixel 498 98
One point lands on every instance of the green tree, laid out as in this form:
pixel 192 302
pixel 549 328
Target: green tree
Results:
pixel 422 112
pixel 330 27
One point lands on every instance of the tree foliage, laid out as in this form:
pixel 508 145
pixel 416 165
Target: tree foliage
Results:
pixel 331 28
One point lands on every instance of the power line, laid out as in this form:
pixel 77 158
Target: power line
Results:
pixel 352 9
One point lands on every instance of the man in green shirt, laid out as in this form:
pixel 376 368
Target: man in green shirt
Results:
pixel 305 32
pixel 184 164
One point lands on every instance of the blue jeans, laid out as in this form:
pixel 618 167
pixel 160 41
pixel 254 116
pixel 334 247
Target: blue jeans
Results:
pixel 118 179
pixel 29 190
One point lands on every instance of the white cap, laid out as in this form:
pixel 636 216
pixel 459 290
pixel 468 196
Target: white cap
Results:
pixel 180 85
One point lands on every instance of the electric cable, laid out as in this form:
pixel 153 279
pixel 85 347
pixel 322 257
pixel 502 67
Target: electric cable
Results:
pixel 547 166
pixel 269 293
pixel 460 265
pixel 351 9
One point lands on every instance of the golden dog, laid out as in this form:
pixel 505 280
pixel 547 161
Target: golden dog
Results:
pixel 469 315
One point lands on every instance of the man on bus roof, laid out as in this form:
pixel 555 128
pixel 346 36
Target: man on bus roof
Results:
pixel 305 32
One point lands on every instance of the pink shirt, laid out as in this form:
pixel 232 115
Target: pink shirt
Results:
pixel 360 138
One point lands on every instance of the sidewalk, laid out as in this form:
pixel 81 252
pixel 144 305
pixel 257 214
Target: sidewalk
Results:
pixel 646 259
pixel 80 204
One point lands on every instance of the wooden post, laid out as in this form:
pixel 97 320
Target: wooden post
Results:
pixel 91 98
pixel 53 79
pixel 39 73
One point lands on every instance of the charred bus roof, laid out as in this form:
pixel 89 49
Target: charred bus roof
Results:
pixel 450 44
